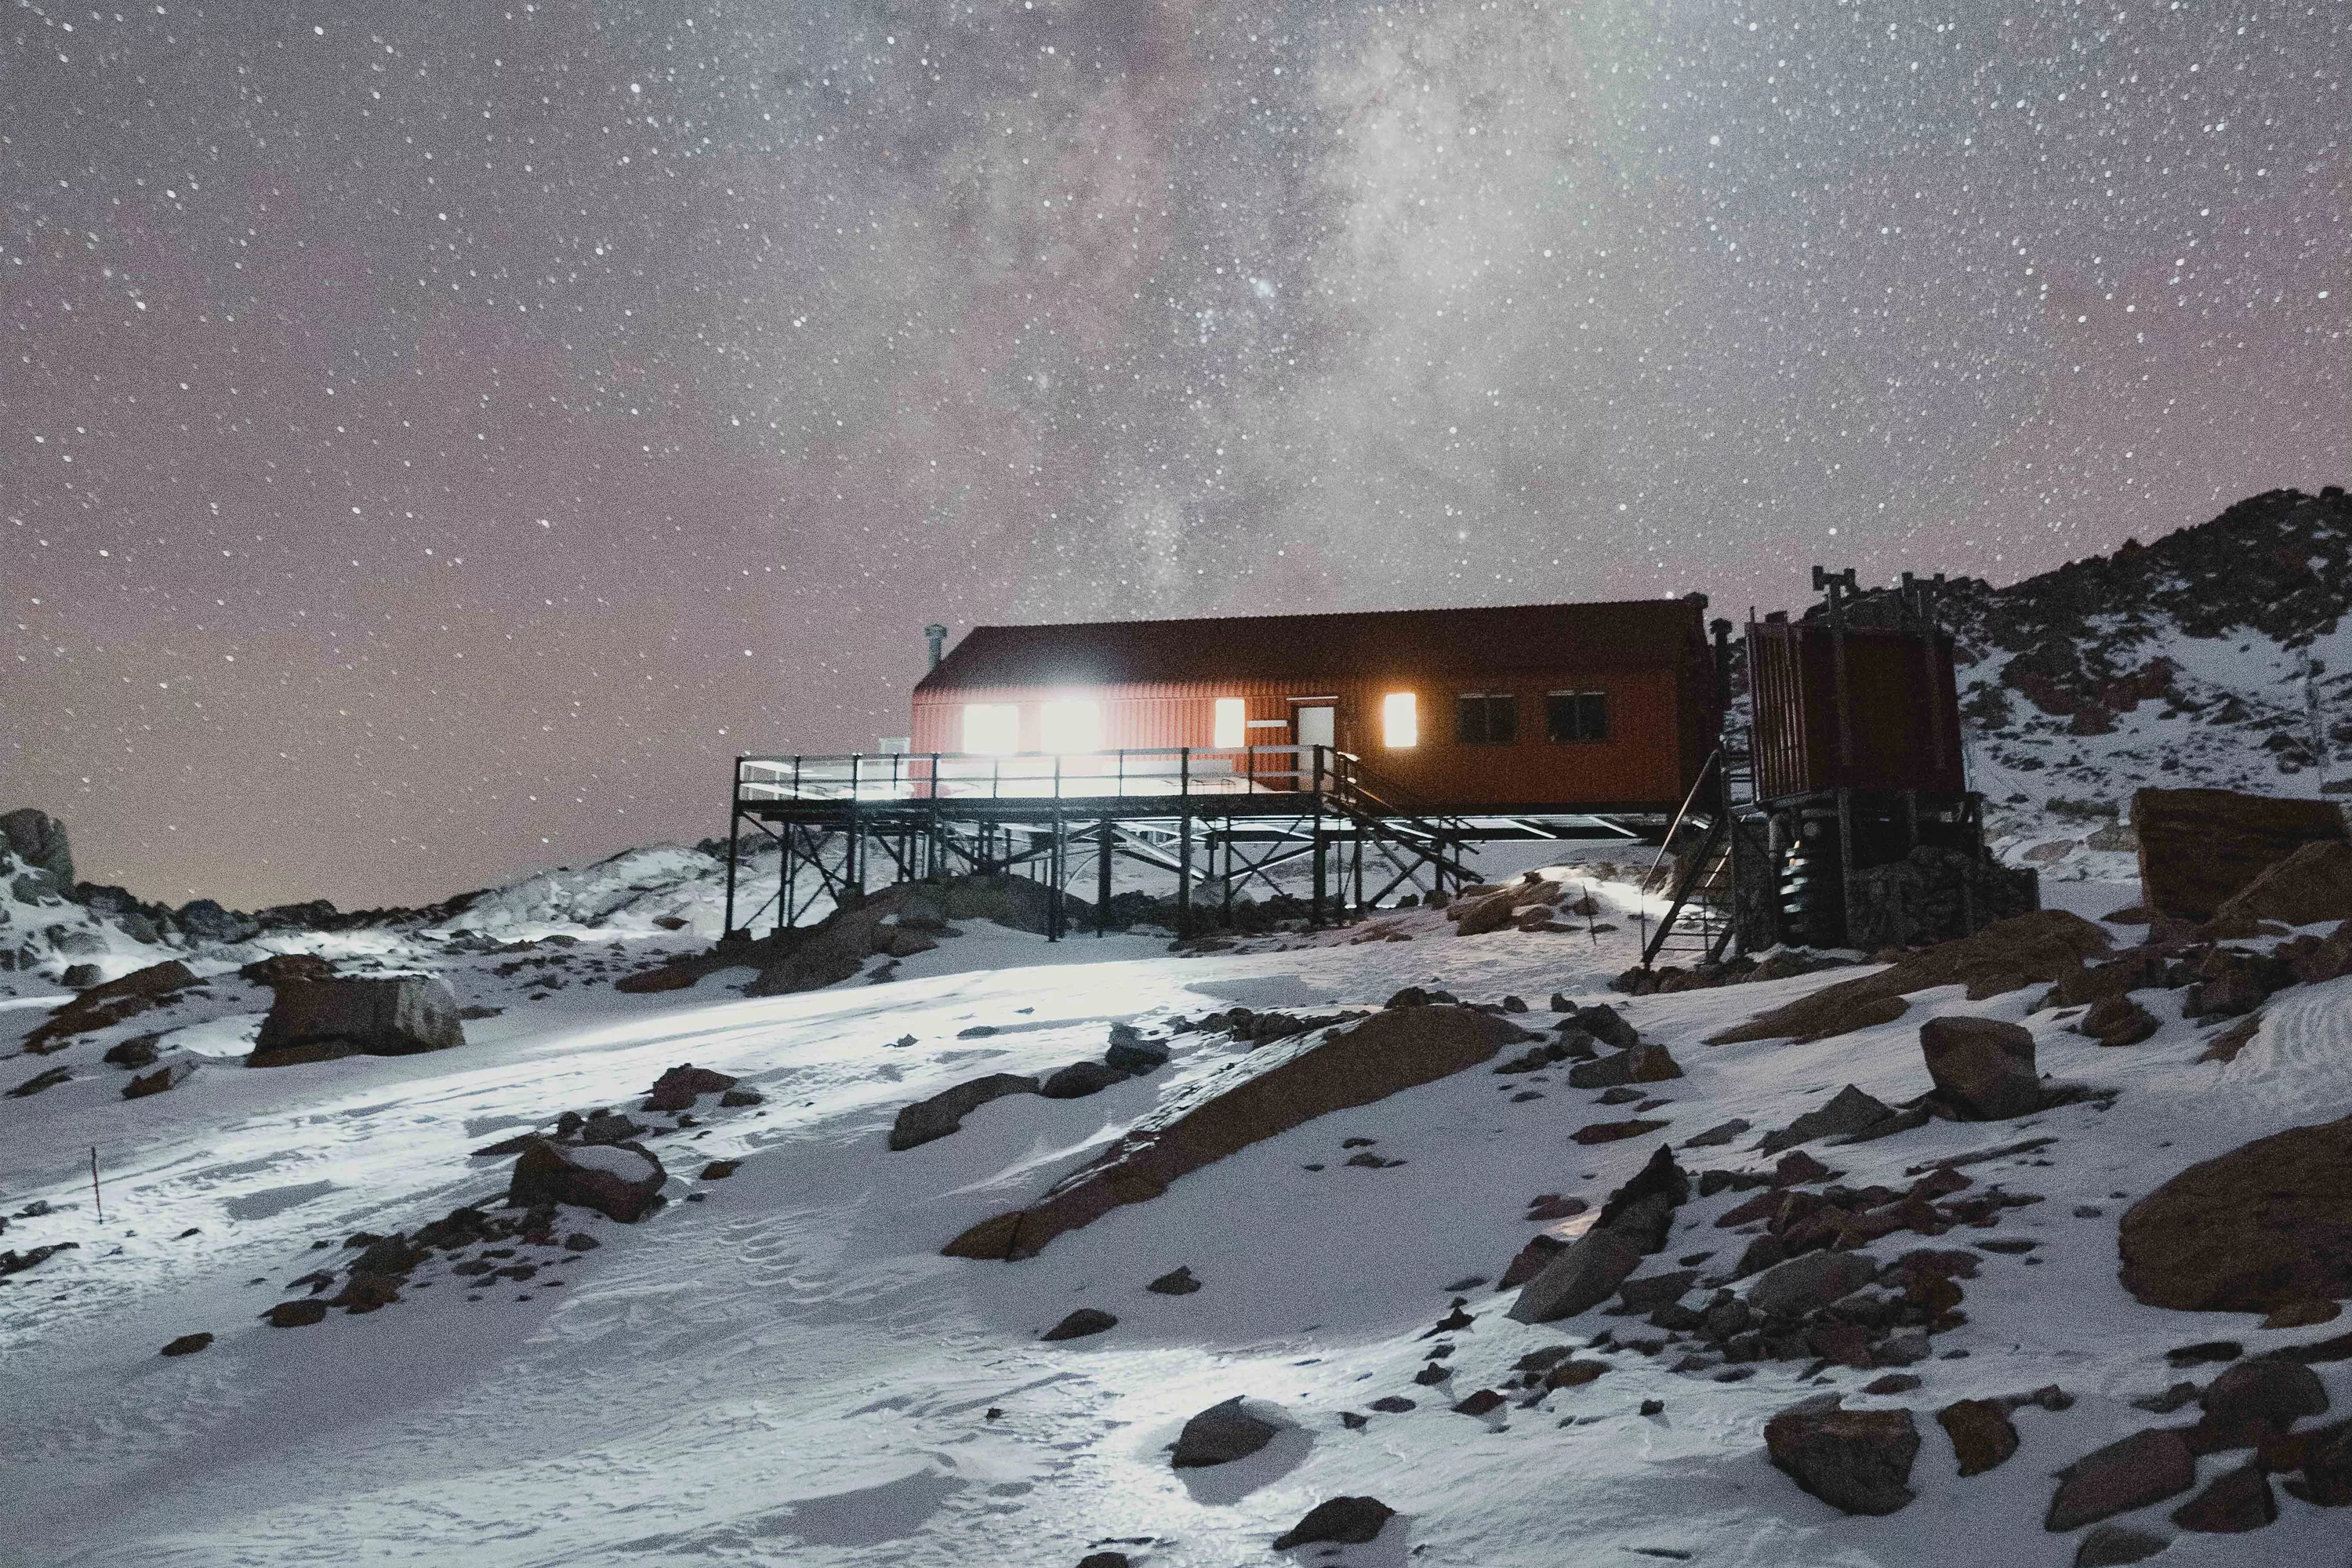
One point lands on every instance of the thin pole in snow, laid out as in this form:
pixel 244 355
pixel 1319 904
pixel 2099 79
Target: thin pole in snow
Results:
pixel 94 1195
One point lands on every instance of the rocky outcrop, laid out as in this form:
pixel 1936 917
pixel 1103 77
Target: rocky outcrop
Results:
pixel 2267 1223
pixel 1348 1521
pixel 2311 885
pixel 944 1112
pixel 1857 1460
pixel 1631 1225
pixel 621 1180
pixel 677 1088
pixel 2044 946
pixel 389 1015
pixel 110 1003
pixel 2198 848
pixel 1376 1058
pixel 2145 1468
pixel 37 840
pixel 1982 1067
pixel 1080 1324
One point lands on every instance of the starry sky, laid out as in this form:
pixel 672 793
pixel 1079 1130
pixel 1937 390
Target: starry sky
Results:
pixel 434 438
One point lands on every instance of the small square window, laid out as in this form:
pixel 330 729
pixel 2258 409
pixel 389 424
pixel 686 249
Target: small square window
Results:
pixel 1574 716
pixel 1229 723
pixel 1486 718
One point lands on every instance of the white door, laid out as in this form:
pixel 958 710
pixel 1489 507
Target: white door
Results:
pixel 1315 728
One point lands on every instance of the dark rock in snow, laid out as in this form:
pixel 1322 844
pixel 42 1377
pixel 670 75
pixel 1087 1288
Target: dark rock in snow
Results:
pixel 610 1127
pixel 1642 1064
pixel 1813 1281
pixel 188 1344
pixel 1849 1112
pixel 2232 1503
pixel 390 1015
pixel 944 1112
pixel 1857 1460
pixel 677 1088
pixel 138 1051
pixel 2145 1468
pixel 1349 1521
pixel 161 1079
pixel 2267 1223
pixel 286 969
pixel 1079 1325
pixel 1176 1282
pixel 1983 1066
pixel 620 1181
pixel 2256 1399
pixel 297 1314
pixel 1981 1434
pixel 735 1098
pixel 1079 1079
pixel 1220 1434
pixel 48 1077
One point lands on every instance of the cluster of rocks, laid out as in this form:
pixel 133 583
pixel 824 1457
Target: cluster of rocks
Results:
pixel 1255 1028
pixel 1129 1055
pixel 1780 963
pixel 1533 904
pixel 385 1265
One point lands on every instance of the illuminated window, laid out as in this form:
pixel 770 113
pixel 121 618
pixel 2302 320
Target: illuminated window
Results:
pixel 1231 730
pixel 992 728
pixel 1399 720
pixel 1072 724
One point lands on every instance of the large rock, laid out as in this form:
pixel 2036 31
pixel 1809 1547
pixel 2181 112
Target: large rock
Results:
pixel 677 1088
pixel 2145 1468
pixel 110 1002
pixel 38 840
pixel 1349 1521
pixel 1220 1435
pixel 1586 1272
pixel 944 1112
pixel 2199 847
pixel 1643 1064
pixel 1792 1290
pixel 1385 1053
pixel 1982 1433
pixel 1849 1112
pixel 2264 1225
pixel 391 1016
pixel 2046 945
pixel 1983 1066
pixel 2259 1398
pixel 1858 1460
pixel 2311 885
pixel 2114 1545
pixel 620 1181
pixel 2232 1503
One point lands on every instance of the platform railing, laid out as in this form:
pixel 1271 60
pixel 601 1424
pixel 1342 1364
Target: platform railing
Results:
pixel 1160 771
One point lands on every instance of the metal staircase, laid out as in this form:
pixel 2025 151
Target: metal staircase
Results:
pixel 1697 856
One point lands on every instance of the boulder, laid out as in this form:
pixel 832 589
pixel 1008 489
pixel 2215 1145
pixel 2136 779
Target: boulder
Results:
pixel 2145 1468
pixel 2198 847
pixel 296 1314
pixel 1857 1460
pixel 1349 1521
pixel 1086 1321
pixel 1981 1434
pixel 944 1112
pixel 1613 1131
pixel 1812 1280
pixel 2232 1503
pixel 1175 1283
pixel 1220 1435
pixel 677 1088
pixel 2256 1399
pixel 1079 1079
pixel 2267 1223
pixel 38 840
pixel 391 1016
pixel 620 1181
pixel 2114 1545
pixel 2044 945
pixel 1849 1112
pixel 1585 1273
pixel 1354 1066
pixel 2312 884
pixel 1606 1025
pixel 188 1344
pixel 109 1001
pixel 81 976
pixel 1134 1055
pixel 165 1078
pixel 138 1051
pixel 1643 1064
pixel 2118 1021
pixel 609 1127
pixel 1983 1067
pixel 828 955
pixel 2327 1467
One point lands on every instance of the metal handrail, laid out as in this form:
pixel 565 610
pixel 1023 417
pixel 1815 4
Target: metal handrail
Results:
pixel 947 776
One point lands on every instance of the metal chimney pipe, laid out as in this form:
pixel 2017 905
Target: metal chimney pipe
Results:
pixel 936 636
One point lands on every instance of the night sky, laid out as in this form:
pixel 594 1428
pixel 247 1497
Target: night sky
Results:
pixel 434 438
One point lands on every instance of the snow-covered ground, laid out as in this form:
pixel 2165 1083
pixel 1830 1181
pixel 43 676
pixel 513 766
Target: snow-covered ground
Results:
pixel 784 1369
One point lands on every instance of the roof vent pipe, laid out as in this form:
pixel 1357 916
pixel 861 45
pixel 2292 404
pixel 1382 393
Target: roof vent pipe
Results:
pixel 936 636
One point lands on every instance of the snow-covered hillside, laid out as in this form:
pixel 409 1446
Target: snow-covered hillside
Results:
pixel 780 1367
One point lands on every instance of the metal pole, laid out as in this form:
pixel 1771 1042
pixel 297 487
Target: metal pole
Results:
pixel 734 828
pixel 1184 842
pixel 1102 876
pixel 1315 915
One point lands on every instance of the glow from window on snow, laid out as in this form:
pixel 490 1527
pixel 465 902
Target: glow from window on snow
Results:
pixel 1399 720
pixel 1231 729
pixel 992 729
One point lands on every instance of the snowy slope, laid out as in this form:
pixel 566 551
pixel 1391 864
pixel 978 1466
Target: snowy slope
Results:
pixel 788 1372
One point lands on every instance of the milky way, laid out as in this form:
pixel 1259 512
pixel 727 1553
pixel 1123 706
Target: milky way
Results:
pixel 432 439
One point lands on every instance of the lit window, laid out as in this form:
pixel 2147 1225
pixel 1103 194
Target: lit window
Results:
pixel 1071 725
pixel 1399 720
pixel 992 729
pixel 1231 730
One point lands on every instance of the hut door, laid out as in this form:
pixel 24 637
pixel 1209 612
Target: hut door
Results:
pixel 1315 727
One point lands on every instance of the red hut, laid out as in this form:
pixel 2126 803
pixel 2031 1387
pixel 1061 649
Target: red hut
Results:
pixel 1596 708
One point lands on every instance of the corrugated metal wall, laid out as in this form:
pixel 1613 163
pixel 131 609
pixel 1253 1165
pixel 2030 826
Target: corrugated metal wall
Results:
pixel 1900 714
